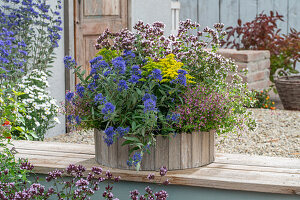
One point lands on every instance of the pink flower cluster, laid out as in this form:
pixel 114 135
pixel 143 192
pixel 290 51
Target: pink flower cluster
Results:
pixel 203 109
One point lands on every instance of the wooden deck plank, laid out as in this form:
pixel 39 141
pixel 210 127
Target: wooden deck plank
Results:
pixel 55 146
pixel 263 161
pixel 230 171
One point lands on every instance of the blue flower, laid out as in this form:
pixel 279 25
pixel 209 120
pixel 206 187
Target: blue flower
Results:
pixel 174 117
pixel 149 105
pixel 92 86
pixel 109 132
pixel 122 131
pixel 134 79
pixel 122 85
pixel 69 118
pixel 69 62
pixel 129 163
pixel 129 53
pixel 80 90
pixel 181 79
pixel 96 59
pixel 137 157
pixel 106 73
pixel 119 65
pixel 136 70
pixel 69 96
pixel 149 96
pixel 109 108
pixel 156 74
pixel 78 120
pixel 98 65
pixel 99 98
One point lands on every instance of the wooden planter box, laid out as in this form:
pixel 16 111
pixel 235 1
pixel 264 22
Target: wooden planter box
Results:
pixel 179 152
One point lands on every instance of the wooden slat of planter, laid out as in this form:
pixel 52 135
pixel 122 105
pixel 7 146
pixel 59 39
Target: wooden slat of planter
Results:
pixel 113 155
pixel 103 150
pixel 242 159
pixel 196 149
pixel 186 150
pixel 174 152
pixel 148 162
pixel 55 146
pixel 122 154
pixel 161 158
pixel 211 146
pixel 205 148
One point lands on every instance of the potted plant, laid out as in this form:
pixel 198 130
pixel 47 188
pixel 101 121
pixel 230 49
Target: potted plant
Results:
pixel 166 96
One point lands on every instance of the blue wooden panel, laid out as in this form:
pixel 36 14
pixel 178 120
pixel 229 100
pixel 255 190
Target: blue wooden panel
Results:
pixel 188 10
pixel 294 14
pixel 264 6
pixel 281 6
pixel 208 12
pixel 229 12
pixel 248 10
pixel 294 18
pixel 176 192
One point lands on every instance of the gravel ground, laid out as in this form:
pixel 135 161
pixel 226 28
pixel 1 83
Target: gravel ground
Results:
pixel 277 134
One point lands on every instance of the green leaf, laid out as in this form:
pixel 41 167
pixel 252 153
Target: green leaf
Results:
pixel 132 139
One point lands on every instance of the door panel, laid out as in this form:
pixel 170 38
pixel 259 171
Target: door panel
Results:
pixel 102 8
pixel 92 17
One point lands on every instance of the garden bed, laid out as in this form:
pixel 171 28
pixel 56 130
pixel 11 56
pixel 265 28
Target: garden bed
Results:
pixel 277 134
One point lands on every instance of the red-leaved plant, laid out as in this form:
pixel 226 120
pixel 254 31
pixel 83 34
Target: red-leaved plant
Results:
pixel 263 34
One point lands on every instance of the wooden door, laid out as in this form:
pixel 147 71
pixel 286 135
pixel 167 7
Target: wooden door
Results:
pixel 92 17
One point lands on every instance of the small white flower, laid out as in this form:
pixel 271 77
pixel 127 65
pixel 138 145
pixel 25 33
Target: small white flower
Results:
pixel 53 101
pixel 22 86
pixel 28 117
pixel 37 123
pixel 26 90
pixel 44 117
pixel 47 113
pixel 56 120
pixel 34 104
pixel 40 97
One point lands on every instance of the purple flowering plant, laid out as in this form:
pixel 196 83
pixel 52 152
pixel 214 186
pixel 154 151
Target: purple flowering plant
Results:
pixel 137 81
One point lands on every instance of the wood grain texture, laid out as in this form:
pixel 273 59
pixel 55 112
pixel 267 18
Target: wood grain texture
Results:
pixel 229 171
pixel 180 152
pixel 247 10
pixel 186 151
pixel 205 148
pixel 174 152
pixel 211 146
pixel 148 162
pixel 122 154
pixel 161 152
pixel 196 149
pixel 229 12
pixel 205 15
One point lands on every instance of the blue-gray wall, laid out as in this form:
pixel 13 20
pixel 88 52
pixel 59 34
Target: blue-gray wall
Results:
pixel 149 12
pixel 121 191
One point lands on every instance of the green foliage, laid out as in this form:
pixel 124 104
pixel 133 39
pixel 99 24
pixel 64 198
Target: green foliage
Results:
pixel 263 34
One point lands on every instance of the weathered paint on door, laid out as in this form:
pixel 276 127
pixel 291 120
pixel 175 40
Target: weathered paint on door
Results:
pixel 92 17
